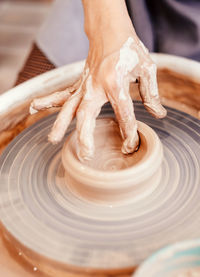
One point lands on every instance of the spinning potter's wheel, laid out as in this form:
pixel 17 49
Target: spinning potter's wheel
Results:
pixel 42 215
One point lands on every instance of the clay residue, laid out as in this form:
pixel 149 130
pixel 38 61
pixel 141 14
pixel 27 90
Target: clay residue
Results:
pixel 173 87
pixel 17 122
pixel 179 92
pixel 179 88
pixel 108 143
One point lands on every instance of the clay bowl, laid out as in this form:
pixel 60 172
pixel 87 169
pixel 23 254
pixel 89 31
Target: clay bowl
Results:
pixel 111 177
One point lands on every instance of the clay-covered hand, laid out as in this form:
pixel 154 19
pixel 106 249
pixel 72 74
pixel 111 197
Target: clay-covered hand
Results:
pixel 116 58
pixel 106 77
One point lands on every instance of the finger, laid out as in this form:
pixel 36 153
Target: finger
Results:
pixel 123 106
pixel 149 92
pixel 67 112
pixel 56 99
pixel 86 118
pixel 86 115
pixel 65 117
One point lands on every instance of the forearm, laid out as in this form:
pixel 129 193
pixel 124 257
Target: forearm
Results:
pixel 105 16
pixel 107 25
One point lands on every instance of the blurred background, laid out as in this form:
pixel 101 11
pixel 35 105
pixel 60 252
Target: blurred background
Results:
pixel 19 22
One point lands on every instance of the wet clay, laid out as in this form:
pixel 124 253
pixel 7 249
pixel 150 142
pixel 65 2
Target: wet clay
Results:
pixel 111 177
pixel 176 87
pixel 176 90
pixel 108 143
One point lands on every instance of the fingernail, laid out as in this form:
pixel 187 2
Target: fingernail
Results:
pixel 155 108
pixel 162 112
pixel 130 145
pixel 53 138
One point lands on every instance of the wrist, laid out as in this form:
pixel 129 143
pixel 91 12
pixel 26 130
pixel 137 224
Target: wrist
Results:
pixel 103 17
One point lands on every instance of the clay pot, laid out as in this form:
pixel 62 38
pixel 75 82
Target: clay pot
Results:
pixel 111 177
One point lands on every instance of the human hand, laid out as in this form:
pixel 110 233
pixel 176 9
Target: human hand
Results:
pixel 116 57
pixel 106 77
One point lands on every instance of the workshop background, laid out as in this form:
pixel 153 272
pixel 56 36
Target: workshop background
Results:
pixel 19 22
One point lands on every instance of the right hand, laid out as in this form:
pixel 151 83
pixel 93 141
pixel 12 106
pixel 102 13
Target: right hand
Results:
pixel 106 78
